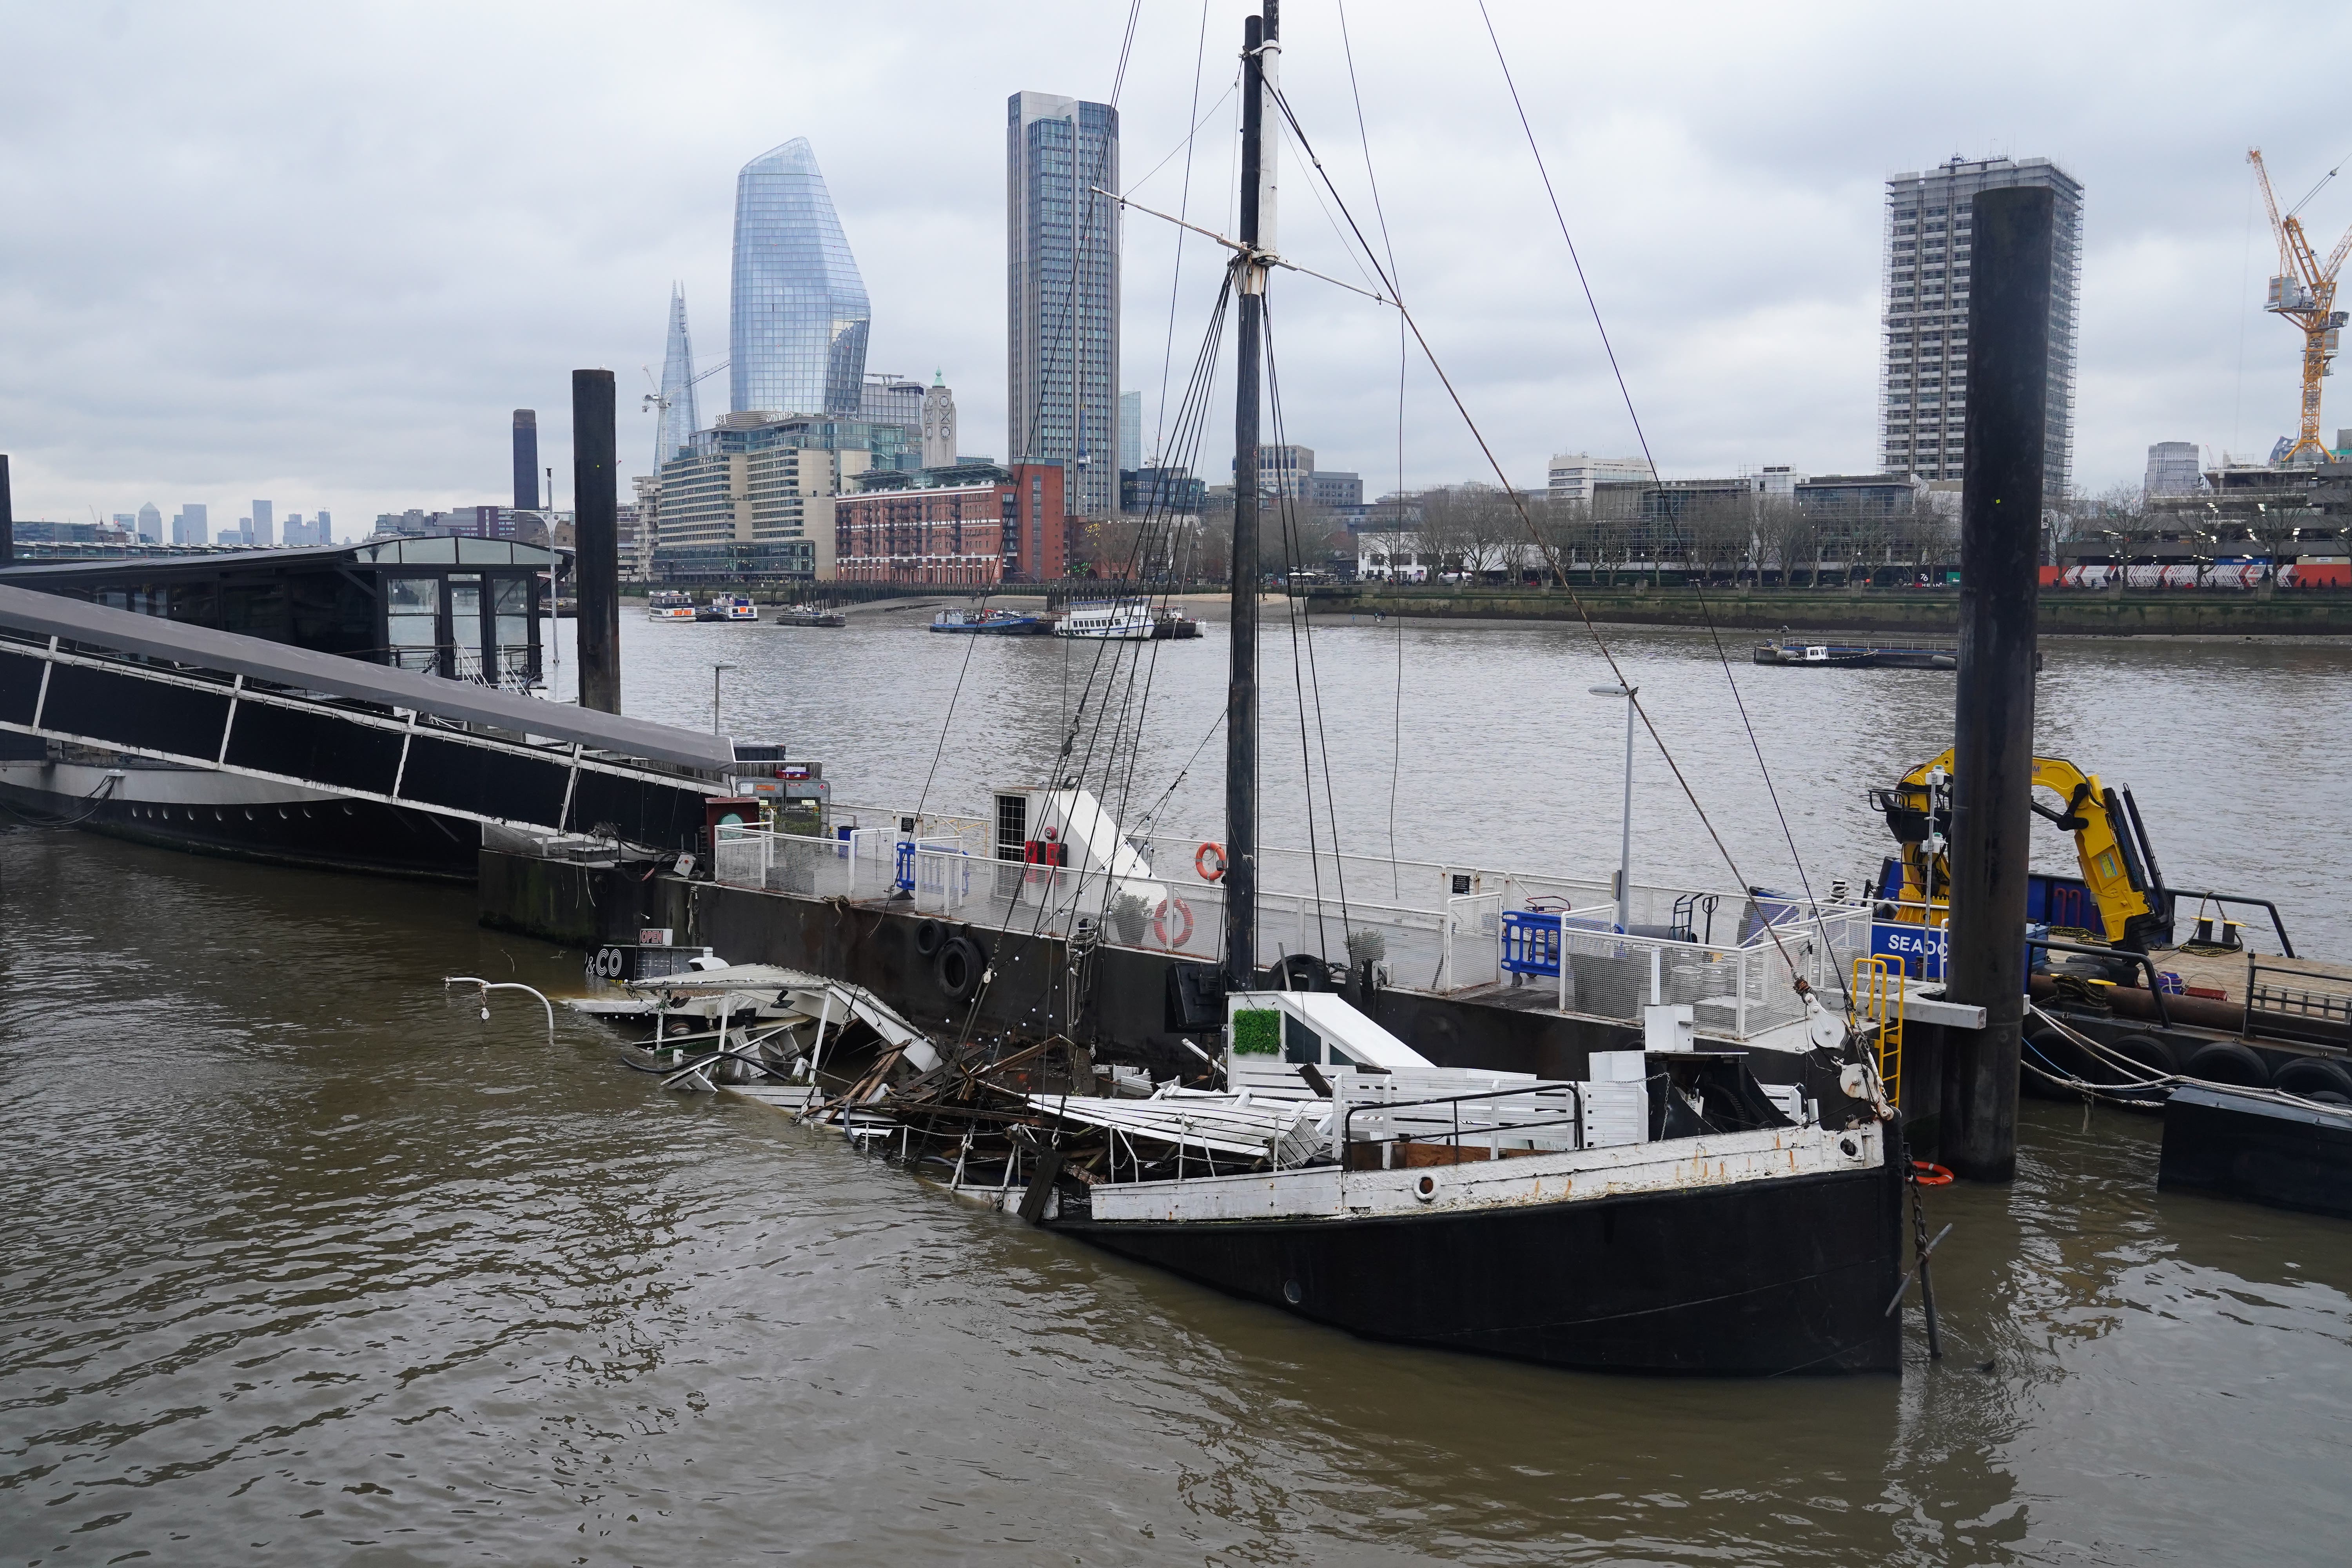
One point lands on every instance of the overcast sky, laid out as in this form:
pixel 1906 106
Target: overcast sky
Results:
pixel 317 253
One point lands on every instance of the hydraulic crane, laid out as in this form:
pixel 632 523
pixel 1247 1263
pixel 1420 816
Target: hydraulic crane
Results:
pixel 2304 291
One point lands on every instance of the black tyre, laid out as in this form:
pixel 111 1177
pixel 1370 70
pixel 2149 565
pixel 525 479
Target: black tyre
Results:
pixel 2224 1063
pixel 1302 972
pixel 2312 1078
pixel 929 937
pixel 958 968
pixel 2150 1057
pixel 2054 1054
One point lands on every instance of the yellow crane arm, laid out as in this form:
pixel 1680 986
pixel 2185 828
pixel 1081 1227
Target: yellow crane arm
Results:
pixel 2335 256
pixel 2124 890
pixel 2270 205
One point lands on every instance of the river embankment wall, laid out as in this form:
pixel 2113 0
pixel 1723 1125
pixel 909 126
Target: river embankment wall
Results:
pixel 1893 612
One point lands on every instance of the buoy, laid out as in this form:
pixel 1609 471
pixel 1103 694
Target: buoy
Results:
pixel 1928 1175
pixel 1172 905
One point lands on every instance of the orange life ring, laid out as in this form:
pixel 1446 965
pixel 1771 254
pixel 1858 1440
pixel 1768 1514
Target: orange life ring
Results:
pixel 1183 913
pixel 1209 861
pixel 1928 1175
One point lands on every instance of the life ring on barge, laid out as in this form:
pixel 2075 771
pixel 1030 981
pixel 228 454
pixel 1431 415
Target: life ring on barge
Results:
pixel 1927 1175
pixel 1182 911
pixel 1209 861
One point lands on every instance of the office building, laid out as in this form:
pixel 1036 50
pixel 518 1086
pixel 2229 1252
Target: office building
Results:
pixel 1005 527
pixel 1062 270
pixel 1333 489
pixel 938 426
pixel 1573 475
pixel 322 528
pixel 796 335
pixel 887 398
pixel 749 501
pixel 190 525
pixel 150 523
pixel 1130 431
pixel 1923 368
pixel 676 412
pixel 526 458
pixel 294 532
pixel 262 532
pixel 2173 470
pixel 1157 491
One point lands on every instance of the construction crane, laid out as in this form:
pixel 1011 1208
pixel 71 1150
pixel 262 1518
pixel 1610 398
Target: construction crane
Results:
pixel 2304 291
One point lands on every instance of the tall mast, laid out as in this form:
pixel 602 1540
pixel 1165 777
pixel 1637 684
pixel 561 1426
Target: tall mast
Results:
pixel 1259 44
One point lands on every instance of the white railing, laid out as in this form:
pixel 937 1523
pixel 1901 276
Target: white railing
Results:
pixel 1730 956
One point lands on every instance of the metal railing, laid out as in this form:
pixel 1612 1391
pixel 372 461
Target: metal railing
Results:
pixel 1495 1129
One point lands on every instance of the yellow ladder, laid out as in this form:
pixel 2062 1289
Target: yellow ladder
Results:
pixel 1878 996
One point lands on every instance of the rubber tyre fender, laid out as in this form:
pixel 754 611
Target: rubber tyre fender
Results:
pixel 2224 1063
pixel 2054 1053
pixel 929 937
pixel 2151 1053
pixel 1302 972
pixel 958 968
pixel 2314 1078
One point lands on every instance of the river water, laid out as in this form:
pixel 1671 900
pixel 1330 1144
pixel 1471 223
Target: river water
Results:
pixel 305 1264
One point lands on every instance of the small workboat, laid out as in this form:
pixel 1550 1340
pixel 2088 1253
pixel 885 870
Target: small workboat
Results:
pixel 1174 625
pixel 729 607
pixel 992 622
pixel 810 616
pixel 670 607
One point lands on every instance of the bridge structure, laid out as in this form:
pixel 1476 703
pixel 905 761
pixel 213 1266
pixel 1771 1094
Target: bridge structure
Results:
pixel 112 680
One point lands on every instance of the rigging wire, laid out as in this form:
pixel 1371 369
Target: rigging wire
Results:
pixel 1185 210
pixel 1549 552
pixel 1380 215
pixel 1036 413
pixel 1624 392
pixel 1311 678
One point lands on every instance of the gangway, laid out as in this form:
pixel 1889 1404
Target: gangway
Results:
pixel 119 682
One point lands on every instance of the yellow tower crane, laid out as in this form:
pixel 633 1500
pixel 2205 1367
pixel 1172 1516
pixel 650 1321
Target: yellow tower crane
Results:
pixel 2304 291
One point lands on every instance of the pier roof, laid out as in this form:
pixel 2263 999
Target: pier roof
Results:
pixel 124 631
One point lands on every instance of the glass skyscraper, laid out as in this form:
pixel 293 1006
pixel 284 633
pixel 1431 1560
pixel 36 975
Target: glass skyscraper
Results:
pixel 679 418
pixel 797 337
pixel 1062 277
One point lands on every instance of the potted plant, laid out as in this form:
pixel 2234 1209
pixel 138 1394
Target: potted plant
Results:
pixel 1129 915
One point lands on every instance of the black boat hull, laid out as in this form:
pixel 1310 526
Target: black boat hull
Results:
pixel 245 819
pixel 1756 1278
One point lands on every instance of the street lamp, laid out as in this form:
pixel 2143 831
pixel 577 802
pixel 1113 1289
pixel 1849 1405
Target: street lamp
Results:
pixel 716 672
pixel 1625 840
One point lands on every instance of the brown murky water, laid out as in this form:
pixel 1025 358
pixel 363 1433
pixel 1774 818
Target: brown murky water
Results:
pixel 303 1263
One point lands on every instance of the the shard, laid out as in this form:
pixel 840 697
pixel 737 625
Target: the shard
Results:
pixel 797 338
pixel 679 418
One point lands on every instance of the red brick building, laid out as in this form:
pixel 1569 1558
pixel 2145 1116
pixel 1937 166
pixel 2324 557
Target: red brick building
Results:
pixel 955 536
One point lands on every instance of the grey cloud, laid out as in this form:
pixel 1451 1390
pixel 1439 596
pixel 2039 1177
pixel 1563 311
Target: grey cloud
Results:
pixel 317 253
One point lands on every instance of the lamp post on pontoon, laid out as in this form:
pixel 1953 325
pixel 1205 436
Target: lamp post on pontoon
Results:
pixel 1625 837
pixel 716 672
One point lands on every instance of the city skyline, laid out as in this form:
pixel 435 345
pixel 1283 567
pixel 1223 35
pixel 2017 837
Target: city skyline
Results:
pixel 401 328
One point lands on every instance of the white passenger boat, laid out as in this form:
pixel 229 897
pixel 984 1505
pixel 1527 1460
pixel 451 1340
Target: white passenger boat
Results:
pixel 1112 620
pixel 670 607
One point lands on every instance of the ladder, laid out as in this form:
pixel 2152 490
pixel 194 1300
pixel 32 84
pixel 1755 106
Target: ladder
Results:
pixel 1878 997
